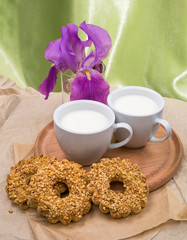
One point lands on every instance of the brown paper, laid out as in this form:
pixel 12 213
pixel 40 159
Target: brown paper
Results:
pixel 163 205
pixel 23 114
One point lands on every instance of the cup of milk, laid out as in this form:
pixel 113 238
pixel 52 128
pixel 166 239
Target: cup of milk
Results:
pixel 141 108
pixel 84 130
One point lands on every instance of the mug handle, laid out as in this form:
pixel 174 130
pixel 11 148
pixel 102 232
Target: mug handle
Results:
pixel 167 127
pixel 120 144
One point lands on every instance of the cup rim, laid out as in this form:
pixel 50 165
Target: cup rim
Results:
pixel 120 89
pixel 89 102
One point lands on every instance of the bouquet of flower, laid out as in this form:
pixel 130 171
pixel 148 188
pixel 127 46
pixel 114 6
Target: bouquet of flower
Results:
pixel 68 53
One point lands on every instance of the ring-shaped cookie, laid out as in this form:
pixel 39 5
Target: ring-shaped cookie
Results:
pixel 19 178
pixel 118 204
pixel 51 206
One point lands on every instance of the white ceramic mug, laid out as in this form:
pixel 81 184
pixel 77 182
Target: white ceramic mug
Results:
pixel 144 124
pixel 90 145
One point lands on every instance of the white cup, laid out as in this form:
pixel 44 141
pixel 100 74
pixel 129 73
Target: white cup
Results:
pixel 87 147
pixel 144 124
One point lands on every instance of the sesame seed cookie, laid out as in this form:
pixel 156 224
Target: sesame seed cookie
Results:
pixel 51 206
pixel 118 204
pixel 19 178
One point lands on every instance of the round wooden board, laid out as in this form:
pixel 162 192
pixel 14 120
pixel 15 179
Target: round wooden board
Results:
pixel 158 161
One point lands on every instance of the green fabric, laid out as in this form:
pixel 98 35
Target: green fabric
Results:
pixel 149 40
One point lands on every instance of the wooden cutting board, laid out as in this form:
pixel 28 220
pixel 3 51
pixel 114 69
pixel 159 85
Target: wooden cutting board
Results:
pixel 158 161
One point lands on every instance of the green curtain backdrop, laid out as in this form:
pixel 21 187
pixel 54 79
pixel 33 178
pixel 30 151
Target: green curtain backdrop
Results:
pixel 149 40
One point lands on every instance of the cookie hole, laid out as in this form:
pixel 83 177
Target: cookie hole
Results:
pixel 61 189
pixel 64 194
pixel 117 187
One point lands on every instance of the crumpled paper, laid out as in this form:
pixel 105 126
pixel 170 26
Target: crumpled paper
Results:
pixel 164 204
pixel 23 114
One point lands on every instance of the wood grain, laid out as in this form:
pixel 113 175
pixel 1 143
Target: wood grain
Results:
pixel 158 161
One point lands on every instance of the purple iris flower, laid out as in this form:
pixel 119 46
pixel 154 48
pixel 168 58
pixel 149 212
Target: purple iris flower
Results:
pixel 68 53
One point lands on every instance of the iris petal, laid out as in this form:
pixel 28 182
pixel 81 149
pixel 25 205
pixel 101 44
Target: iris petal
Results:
pixel 96 89
pixel 60 54
pixel 75 43
pixel 101 40
pixel 68 56
pixel 53 52
pixel 49 83
pixel 89 59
